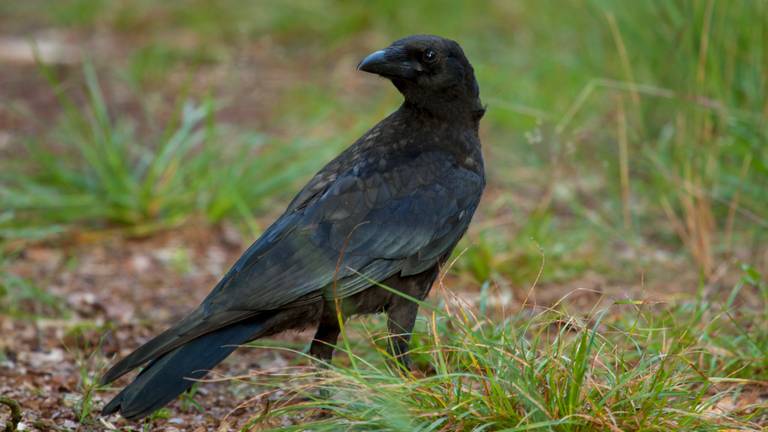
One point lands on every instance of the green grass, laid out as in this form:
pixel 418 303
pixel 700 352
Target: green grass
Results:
pixel 23 298
pixel 516 258
pixel 633 122
pixel 628 366
pixel 94 170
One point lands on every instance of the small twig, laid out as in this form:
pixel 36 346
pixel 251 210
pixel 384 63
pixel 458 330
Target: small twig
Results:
pixel 13 422
pixel 624 165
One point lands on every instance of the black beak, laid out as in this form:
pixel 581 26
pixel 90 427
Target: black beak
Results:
pixel 392 62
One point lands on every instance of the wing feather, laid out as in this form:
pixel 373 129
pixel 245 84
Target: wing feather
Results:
pixel 366 224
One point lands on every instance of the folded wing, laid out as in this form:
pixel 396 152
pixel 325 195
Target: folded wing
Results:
pixel 367 223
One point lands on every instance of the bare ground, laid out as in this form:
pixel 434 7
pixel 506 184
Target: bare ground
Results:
pixel 115 296
pixel 112 294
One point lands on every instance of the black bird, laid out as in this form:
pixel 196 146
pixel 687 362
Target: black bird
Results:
pixel 389 210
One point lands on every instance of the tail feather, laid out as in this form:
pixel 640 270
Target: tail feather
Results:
pixel 174 372
pixel 192 326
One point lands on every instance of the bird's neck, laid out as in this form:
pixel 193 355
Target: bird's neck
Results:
pixel 458 113
pixel 454 130
pixel 456 104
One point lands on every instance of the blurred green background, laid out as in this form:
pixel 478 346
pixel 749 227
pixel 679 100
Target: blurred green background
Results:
pixel 145 144
pixel 619 135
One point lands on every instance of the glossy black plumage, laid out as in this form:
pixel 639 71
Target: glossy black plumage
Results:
pixel 388 209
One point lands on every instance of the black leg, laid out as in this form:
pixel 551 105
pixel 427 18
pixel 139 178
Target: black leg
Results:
pixel 327 334
pixel 402 317
pixel 402 314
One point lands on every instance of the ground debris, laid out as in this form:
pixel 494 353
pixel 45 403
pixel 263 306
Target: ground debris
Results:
pixel 115 296
pixel 15 418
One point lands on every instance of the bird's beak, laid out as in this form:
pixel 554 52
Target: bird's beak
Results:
pixel 392 62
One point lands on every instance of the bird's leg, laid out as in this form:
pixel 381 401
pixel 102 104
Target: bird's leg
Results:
pixel 401 319
pixel 402 312
pixel 327 334
pixel 325 339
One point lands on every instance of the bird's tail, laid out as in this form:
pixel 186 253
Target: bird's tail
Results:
pixel 174 372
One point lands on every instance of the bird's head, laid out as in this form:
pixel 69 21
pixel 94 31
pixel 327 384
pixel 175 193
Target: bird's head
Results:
pixel 431 72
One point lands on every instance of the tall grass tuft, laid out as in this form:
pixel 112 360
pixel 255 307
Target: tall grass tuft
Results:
pixel 696 118
pixel 95 169
pixel 629 366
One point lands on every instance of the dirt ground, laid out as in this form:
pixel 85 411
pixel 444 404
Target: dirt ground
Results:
pixel 111 296
pixel 114 296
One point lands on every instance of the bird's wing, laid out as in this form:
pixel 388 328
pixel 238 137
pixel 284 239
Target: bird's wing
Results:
pixel 372 221
pixel 368 223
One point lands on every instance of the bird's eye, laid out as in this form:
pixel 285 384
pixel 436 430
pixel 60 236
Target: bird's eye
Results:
pixel 429 55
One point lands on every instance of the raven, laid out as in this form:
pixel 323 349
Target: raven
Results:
pixel 387 211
